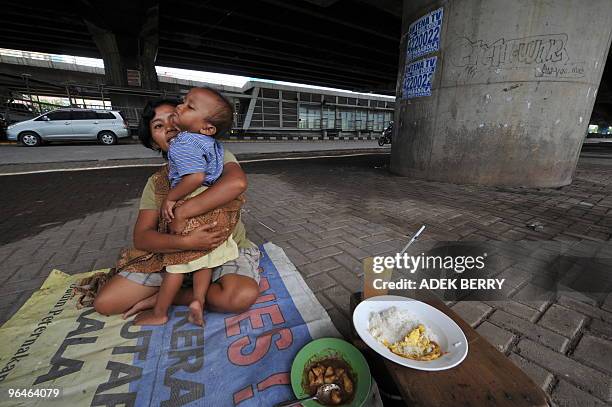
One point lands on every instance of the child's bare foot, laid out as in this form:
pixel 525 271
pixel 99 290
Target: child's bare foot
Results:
pixel 149 317
pixel 196 313
pixel 141 305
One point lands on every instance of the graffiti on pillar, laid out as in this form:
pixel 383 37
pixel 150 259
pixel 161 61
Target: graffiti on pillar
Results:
pixel 424 35
pixel 545 55
pixel 417 78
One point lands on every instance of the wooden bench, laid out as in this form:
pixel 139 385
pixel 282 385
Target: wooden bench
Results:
pixel 485 378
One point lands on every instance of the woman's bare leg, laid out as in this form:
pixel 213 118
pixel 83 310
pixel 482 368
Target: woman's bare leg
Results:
pixel 159 314
pixel 232 293
pixel 119 294
pixel 201 281
pixel 183 297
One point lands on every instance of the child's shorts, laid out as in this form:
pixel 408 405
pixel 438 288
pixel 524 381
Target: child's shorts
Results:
pixel 226 251
pixel 246 264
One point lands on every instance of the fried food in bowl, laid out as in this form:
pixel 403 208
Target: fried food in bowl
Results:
pixel 331 360
pixel 330 370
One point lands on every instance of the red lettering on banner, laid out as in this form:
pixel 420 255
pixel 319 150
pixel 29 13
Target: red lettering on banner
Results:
pixel 262 346
pixel 285 340
pixel 274 380
pixel 264 284
pixel 243 394
pixel 265 298
pixel 232 324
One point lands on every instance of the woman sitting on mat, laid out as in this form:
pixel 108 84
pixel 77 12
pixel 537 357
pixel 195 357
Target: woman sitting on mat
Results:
pixel 235 284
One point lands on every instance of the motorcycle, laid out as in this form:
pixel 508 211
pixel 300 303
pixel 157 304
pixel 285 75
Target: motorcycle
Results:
pixel 385 137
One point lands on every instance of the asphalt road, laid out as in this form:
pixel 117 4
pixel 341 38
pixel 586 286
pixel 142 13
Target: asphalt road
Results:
pixel 15 154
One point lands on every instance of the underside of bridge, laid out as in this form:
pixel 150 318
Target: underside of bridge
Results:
pixel 348 44
pixel 345 43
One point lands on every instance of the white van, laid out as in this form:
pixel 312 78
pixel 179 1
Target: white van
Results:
pixel 105 126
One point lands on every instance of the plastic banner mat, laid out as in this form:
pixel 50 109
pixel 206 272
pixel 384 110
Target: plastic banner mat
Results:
pixel 54 354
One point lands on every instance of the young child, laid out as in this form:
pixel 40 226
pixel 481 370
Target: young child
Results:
pixel 195 159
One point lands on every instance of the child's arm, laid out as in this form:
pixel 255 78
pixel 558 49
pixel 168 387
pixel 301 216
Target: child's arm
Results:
pixel 186 185
pixel 228 187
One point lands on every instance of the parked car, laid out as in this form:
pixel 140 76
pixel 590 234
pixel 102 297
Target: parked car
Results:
pixel 105 126
pixel 14 112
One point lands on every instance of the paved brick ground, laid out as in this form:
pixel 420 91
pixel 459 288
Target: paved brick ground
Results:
pixel 330 214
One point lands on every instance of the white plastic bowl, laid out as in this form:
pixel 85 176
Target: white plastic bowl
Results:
pixel 451 338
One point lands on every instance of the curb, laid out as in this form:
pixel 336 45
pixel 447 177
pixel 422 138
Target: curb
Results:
pixel 24 169
pixel 310 154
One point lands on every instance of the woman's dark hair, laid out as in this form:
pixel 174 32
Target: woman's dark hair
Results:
pixel 148 113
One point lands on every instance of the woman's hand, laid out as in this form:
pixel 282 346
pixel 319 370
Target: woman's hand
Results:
pixel 202 239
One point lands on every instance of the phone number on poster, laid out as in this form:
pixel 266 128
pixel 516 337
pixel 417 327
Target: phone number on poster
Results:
pixel 424 34
pixel 417 80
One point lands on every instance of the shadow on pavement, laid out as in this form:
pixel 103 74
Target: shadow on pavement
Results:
pixel 34 202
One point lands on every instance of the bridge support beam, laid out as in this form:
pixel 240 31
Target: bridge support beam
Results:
pixel 129 53
pixel 512 91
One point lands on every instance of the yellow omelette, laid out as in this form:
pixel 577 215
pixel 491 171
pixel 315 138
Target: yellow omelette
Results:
pixel 416 345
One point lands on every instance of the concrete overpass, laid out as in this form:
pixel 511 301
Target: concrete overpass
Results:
pixel 346 44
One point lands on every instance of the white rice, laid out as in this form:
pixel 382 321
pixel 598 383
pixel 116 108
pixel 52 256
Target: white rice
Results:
pixel 394 324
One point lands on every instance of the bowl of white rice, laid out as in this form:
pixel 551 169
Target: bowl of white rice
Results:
pixel 393 326
pixel 384 320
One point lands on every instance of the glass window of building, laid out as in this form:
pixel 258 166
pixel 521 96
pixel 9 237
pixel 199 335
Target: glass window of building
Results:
pixel 361 119
pixel 271 113
pixel 347 119
pixel 329 118
pixel 289 95
pixel 388 118
pixel 290 118
pixel 310 97
pixel 310 117
pixel 378 120
pixel 269 93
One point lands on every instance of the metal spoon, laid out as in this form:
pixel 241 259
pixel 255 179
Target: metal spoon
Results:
pixel 323 395
pixel 415 237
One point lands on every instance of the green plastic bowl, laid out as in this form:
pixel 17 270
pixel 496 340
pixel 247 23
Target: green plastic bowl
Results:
pixel 323 348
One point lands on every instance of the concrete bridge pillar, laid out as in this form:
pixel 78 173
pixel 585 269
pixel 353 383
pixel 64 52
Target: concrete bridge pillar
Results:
pixel 128 48
pixel 498 92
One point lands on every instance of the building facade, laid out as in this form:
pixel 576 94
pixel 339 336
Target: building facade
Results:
pixel 269 111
